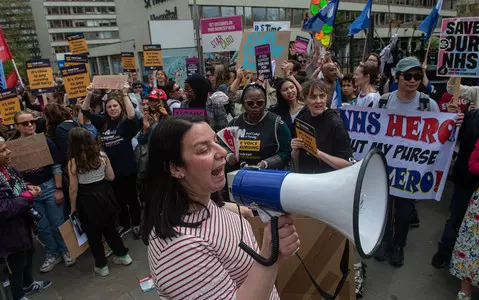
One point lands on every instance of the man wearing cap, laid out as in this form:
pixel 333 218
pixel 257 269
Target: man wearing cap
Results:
pixel 408 77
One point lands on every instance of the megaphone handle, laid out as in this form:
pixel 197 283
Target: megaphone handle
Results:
pixel 274 249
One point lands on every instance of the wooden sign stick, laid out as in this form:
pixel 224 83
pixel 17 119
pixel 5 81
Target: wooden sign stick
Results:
pixel 457 88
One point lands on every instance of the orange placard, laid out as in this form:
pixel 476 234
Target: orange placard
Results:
pixel 306 132
pixel 75 60
pixel 40 76
pixel 153 59
pixel 77 43
pixel 76 80
pixel 9 105
pixel 128 61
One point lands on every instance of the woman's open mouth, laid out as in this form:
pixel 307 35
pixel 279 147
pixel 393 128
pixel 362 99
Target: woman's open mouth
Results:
pixel 218 171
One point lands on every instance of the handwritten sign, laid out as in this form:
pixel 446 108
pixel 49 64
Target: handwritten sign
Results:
pixel 263 61
pixel 40 76
pixel 152 57
pixel 189 111
pixel 307 133
pixel 110 82
pixel 30 153
pixel 76 80
pixel 459 48
pixel 302 44
pixel 278 42
pixel 221 34
pixel 128 61
pixel 9 105
pixel 77 43
pixel 271 26
pixel 192 65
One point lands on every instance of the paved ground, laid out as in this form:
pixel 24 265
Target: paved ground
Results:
pixel 417 279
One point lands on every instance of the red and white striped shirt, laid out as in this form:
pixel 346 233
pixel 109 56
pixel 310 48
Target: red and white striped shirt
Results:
pixel 203 262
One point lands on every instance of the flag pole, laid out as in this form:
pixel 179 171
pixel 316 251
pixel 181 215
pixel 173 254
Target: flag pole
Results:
pixel 18 73
pixel 427 51
pixel 365 44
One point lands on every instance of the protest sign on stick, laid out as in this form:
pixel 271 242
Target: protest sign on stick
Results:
pixel 418 146
pixel 9 105
pixel 40 76
pixel 152 57
pixel 263 61
pixel 109 82
pixel 192 65
pixel 279 47
pixel 76 80
pixel 30 152
pixel 77 59
pixel 272 26
pixel 221 34
pixel 301 44
pixel 77 43
pixel 189 111
pixel 306 132
pixel 128 61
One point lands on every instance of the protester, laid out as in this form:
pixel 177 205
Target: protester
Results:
pixel 365 77
pixel 16 201
pixel 265 129
pixel 348 89
pixel 134 78
pixel 175 95
pixel 466 92
pixel 289 106
pixel 332 139
pixel 118 128
pixel 181 215
pixel 161 79
pixel 92 197
pixel 50 202
pixel 406 98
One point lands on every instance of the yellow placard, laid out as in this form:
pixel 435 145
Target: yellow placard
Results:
pixel 153 58
pixel 128 61
pixel 250 145
pixel 76 60
pixel 76 80
pixel 9 106
pixel 306 133
pixel 40 76
pixel 77 43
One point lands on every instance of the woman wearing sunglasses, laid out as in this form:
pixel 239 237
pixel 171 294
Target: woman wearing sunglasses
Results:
pixel 265 138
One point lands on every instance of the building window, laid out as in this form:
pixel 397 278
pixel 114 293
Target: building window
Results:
pixel 408 19
pixel 210 12
pixel 78 10
pixel 248 18
pixel 298 16
pixel 89 10
pixel 259 14
pixel 272 14
pixel 111 10
pixel 61 49
pixel 239 10
pixel 288 14
pixel 282 14
pixel 227 11
pixel 104 67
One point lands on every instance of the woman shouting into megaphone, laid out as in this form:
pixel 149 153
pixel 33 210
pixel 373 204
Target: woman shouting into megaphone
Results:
pixel 193 240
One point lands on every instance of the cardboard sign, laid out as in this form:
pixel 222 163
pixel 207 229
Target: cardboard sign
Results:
pixel 128 61
pixel 263 61
pixel 76 80
pixel 77 43
pixel 152 57
pixel 190 111
pixel 9 105
pixel 192 66
pixel 321 250
pixel 271 26
pixel 71 241
pixel 302 44
pixel 459 48
pixel 30 153
pixel 110 82
pixel 221 34
pixel 279 47
pixel 418 146
pixel 40 76
pixel 307 133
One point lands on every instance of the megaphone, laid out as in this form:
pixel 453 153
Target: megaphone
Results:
pixel 353 200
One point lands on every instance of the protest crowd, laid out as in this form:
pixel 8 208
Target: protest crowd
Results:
pixel 150 159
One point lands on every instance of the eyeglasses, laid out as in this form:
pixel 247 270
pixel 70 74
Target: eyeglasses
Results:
pixel 27 123
pixel 252 103
pixel 302 61
pixel 409 76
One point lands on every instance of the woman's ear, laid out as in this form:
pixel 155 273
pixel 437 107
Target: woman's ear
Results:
pixel 176 171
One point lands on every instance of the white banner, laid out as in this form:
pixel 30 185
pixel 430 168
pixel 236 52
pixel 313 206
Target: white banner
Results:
pixel 221 34
pixel 271 26
pixel 418 146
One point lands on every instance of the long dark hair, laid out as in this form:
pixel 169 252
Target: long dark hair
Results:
pixel 201 87
pixel 166 199
pixel 83 148
pixel 55 114
pixel 283 105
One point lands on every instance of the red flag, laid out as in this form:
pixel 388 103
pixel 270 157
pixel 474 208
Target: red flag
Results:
pixel 12 80
pixel 5 53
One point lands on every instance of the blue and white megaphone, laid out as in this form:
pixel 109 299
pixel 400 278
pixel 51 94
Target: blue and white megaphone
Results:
pixel 353 200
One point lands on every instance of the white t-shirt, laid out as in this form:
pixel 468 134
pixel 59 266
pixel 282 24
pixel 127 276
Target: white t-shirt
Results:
pixel 173 103
pixel 414 104
pixel 367 99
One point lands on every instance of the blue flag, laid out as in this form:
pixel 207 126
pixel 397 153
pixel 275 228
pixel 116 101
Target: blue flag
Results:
pixel 337 101
pixel 430 23
pixel 362 22
pixel 327 15
pixel 3 82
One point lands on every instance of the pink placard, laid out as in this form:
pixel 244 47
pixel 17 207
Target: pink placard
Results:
pixel 190 111
pixel 219 25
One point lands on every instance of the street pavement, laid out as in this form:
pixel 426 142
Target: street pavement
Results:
pixel 417 279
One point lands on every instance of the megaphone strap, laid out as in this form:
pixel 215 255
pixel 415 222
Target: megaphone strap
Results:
pixel 343 266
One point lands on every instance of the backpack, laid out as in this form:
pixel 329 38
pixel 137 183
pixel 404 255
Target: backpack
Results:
pixel 424 99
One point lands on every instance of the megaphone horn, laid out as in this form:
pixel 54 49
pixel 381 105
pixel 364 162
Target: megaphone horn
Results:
pixel 353 200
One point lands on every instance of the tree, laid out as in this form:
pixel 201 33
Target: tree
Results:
pixel 16 20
